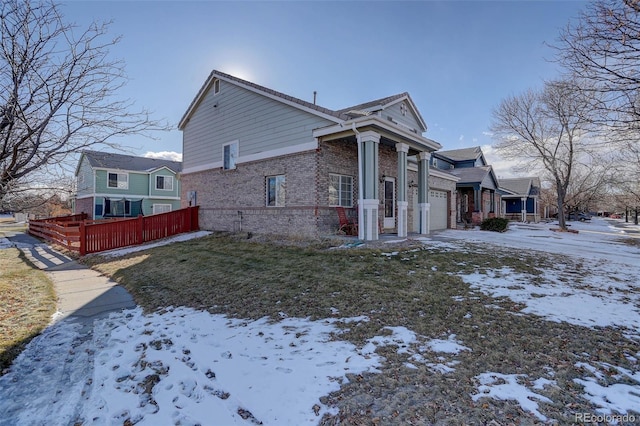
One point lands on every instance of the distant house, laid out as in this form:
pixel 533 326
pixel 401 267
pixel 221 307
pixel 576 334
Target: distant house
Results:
pixel 520 198
pixel 117 185
pixel 477 196
pixel 259 160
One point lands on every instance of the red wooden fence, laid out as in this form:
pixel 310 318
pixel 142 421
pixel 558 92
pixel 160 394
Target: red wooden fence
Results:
pixel 85 236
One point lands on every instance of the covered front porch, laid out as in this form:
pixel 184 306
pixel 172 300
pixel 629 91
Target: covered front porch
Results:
pixel 383 175
pixel 475 203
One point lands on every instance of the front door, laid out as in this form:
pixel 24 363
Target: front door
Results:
pixel 389 202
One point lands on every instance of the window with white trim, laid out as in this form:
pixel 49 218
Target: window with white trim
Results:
pixel 118 180
pixel 164 183
pixel 340 190
pixel 161 208
pixel 276 190
pixel 216 86
pixel 230 155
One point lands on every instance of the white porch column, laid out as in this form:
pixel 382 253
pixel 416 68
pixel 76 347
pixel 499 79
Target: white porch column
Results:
pixel 369 202
pixel 403 204
pixel 423 191
pixel 524 209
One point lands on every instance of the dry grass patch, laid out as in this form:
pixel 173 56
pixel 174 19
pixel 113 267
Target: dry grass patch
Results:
pixel 414 286
pixel 27 302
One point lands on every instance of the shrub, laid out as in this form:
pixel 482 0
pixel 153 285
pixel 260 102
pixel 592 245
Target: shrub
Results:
pixel 496 224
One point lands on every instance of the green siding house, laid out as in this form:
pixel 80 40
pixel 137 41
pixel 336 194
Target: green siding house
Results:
pixel 117 185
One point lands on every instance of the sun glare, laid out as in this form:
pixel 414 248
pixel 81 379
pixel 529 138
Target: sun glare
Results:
pixel 237 71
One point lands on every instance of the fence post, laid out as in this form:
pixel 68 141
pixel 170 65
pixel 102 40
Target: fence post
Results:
pixel 188 220
pixel 195 225
pixel 83 239
pixel 140 226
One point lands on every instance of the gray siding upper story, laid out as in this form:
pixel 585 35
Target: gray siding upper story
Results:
pixel 408 119
pixel 85 179
pixel 259 124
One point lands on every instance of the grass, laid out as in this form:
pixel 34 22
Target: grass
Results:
pixel 27 302
pixel 418 288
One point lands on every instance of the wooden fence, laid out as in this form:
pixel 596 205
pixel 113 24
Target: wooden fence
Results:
pixel 88 236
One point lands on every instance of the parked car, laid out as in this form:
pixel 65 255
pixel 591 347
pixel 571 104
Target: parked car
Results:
pixel 578 216
pixel 615 216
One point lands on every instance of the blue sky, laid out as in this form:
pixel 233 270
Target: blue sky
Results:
pixel 457 59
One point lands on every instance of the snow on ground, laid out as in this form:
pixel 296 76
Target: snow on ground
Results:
pixel 508 386
pixel 5 243
pixel 180 367
pixel 187 367
pixel 183 366
pixel 606 293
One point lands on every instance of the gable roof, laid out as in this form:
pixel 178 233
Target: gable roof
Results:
pixel 382 103
pixel 336 116
pixel 299 103
pixel 519 186
pixel 463 154
pixel 111 160
pixel 471 174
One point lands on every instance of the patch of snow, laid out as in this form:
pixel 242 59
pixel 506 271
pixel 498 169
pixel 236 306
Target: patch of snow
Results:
pixel 611 397
pixel 507 387
pixel 400 336
pixel 417 346
pixel 5 243
pixel 590 303
pixel 393 253
pixel 395 241
pixel 450 345
pixel 180 367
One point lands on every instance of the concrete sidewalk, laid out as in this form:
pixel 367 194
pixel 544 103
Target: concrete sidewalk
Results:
pixel 83 294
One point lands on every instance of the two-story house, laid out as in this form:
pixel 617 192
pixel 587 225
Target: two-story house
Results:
pixel 258 160
pixel 118 185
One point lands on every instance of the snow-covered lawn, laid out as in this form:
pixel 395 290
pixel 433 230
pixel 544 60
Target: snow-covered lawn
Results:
pixel 182 366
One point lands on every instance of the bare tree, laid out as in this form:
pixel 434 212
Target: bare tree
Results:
pixel 627 178
pixel 58 90
pixel 546 131
pixel 603 48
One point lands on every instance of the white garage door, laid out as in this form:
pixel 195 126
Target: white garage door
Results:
pixel 438 209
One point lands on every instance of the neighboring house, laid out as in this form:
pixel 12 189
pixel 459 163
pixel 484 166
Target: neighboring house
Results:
pixel 477 196
pixel 258 160
pixel 520 198
pixel 117 185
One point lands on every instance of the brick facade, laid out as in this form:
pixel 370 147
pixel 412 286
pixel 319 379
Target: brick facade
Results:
pixel 234 200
